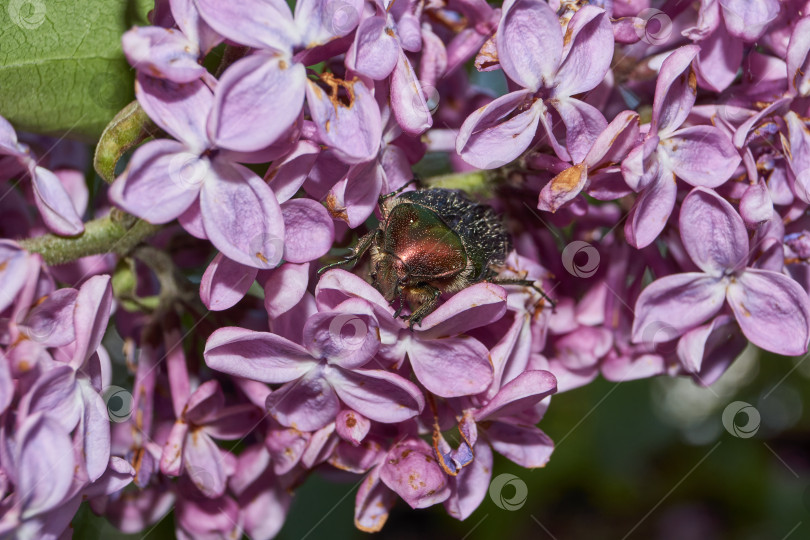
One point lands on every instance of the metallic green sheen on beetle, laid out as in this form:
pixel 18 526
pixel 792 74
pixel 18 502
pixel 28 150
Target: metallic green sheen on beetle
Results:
pixel 429 242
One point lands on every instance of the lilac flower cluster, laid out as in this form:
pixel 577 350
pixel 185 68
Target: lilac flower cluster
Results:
pixel 667 148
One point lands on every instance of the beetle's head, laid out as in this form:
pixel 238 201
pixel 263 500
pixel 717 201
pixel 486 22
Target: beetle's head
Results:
pixel 389 274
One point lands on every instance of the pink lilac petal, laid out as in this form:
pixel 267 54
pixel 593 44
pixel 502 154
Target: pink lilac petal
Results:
pixel 180 109
pixel 798 58
pixel 204 403
pixel 260 24
pixel 260 356
pixel 352 426
pixel 588 52
pixel 708 350
pixel 487 141
pixel 470 486
pixel 701 155
pixel 234 422
pixel 409 31
pixel 51 321
pixel 320 21
pixel 309 230
pixel 583 124
pixel 379 395
pixel 716 239
pixel 522 392
pixel 225 282
pixel 756 205
pixel 674 90
pixel 674 304
pixel 54 390
pixel 44 463
pixel 772 310
pixel 475 306
pixel 254 236
pixel 525 445
pixel 94 429
pixel 719 60
pixel 748 19
pixel 161 182
pixel 13 272
pixel 410 471
pixel 203 463
pixel 286 445
pixel 451 367
pixel 407 97
pixel 530 43
pixel 375 50
pixel 187 17
pixel 353 131
pixel 285 287
pixel 287 175
pixel 251 90
pixel 162 52
pixel 373 502
pixel 651 211
pixel 91 316
pixel 308 403
pixel 347 337
pixel 355 198
pixel 54 203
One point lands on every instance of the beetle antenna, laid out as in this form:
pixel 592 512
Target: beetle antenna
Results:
pixel 414 180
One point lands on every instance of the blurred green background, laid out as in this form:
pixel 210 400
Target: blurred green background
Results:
pixel 641 459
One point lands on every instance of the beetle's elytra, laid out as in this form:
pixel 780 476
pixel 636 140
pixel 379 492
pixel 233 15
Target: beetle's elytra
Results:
pixel 429 242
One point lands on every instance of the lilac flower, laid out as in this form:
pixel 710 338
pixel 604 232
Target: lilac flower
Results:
pixel 699 155
pixel 166 179
pixel 379 51
pixel 51 197
pixel 271 83
pixel 533 54
pixel 773 311
pixel 166 53
pixel 329 368
pixel 190 446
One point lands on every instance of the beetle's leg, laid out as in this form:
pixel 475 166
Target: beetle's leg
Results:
pixel 431 294
pixel 413 180
pixel 523 283
pixel 359 250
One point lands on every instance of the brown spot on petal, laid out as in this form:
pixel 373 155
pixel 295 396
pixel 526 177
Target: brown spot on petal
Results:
pixel 568 179
pixel 3 265
pixel 261 257
pixel 351 421
pixel 406 453
pixel 389 31
pixel 282 64
pixel 335 209
pixel 692 81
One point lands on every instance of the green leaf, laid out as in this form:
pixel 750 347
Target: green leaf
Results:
pixel 62 69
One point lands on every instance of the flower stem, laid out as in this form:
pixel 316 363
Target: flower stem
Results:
pixel 117 233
